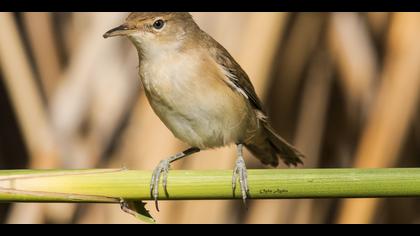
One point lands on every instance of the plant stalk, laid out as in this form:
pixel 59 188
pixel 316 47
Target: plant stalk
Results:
pixel 112 185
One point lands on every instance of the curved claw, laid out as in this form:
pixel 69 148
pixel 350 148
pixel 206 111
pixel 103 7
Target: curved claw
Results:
pixel 161 169
pixel 241 172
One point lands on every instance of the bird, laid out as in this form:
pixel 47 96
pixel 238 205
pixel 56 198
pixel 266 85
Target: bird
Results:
pixel 201 94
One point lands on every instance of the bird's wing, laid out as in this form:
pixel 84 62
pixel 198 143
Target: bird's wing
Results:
pixel 239 81
pixel 236 77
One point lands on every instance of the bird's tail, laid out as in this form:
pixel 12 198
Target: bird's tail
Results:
pixel 268 146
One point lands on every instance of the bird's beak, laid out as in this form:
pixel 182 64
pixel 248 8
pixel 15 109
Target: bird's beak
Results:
pixel 122 30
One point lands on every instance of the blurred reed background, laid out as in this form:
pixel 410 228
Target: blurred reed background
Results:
pixel 343 87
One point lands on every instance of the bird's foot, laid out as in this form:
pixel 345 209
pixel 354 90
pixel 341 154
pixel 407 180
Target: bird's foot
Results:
pixel 240 172
pixel 161 170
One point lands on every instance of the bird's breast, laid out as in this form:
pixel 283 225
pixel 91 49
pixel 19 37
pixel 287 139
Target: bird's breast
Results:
pixel 188 95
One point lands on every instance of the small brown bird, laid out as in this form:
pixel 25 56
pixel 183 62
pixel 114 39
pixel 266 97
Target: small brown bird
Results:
pixel 200 93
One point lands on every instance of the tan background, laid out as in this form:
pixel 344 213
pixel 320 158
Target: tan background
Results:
pixel 343 87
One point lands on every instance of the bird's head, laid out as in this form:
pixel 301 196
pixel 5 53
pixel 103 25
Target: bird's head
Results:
pixel 155 30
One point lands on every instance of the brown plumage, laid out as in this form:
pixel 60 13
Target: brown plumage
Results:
pixel 200 92
pixel 266 145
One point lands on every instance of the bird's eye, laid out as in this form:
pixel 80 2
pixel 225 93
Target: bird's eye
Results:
pixel 158 25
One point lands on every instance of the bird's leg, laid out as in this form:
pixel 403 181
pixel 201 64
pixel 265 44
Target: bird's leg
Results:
pixel 241 172
pixel 162 170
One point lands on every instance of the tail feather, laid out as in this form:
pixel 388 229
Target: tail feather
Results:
pixel 268 145
pixel 287 152
pixel 264 151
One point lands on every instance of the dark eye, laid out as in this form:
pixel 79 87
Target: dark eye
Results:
pixel 158 24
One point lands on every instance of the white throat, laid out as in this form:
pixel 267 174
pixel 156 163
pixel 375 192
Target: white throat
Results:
pixel 153 49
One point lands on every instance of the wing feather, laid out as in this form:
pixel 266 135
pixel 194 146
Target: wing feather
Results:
pixel 236 77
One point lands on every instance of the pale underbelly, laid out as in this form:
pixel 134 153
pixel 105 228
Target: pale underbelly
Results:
pixel 207 126
pixel 193 101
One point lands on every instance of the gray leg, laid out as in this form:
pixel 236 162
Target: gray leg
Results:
pixel 241 172
pixel 163 169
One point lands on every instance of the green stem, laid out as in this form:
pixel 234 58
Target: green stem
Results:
pixel 109 186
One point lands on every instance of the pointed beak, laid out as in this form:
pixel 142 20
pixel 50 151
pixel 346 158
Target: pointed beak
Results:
pixel 122 30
